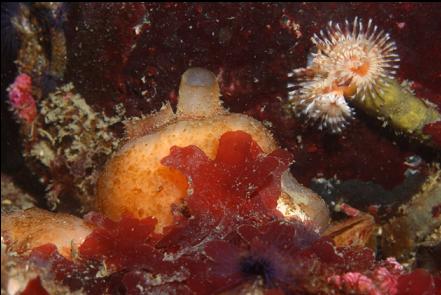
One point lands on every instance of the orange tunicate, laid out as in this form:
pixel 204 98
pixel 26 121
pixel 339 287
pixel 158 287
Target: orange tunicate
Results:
pixel 134 180
pixel 25 230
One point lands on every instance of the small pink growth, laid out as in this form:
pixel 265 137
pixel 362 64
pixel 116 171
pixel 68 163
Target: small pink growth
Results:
pixel 383 279
pixel 67 96
pixel 21 100
pixel 386 281
pixel 355 282
pixel 348 210
pixel 382 282
pixel 393 265
pixel 401 25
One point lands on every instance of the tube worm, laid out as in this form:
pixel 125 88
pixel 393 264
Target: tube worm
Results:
pixel 356 64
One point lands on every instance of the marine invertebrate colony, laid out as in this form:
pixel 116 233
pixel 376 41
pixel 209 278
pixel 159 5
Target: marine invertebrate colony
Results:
pixel 356 62
pixel 65 139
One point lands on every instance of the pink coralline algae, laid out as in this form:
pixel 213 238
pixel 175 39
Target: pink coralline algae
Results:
pixel 381 282
pixel 21 100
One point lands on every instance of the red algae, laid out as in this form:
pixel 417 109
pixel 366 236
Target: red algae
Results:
pixel 228 236
pixel 123 244
pixel 21 100
pixel 62 269
pixel 34 287
pixel 240 170
pixel 419 282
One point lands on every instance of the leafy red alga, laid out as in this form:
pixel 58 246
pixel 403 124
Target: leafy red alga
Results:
pixel 124 244
pixel 241 185
pixel 241 179
pixel 34 287
pixel 75 275
pixel 230 237
pixel 419 282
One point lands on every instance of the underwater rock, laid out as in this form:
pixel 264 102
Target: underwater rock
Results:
pixel 13 198
pixel 42 54
pixel 416 223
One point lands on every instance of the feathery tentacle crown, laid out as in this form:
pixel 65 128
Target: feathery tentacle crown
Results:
pixel 353 62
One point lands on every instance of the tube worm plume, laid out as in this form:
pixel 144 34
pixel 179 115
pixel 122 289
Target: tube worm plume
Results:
pixel 355 62
pixel 359 59
pixel 350 62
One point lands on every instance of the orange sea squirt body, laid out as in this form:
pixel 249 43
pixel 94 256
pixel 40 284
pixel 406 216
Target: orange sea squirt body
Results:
pixel 134 181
